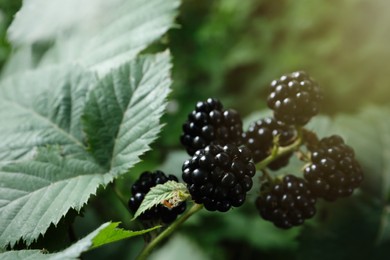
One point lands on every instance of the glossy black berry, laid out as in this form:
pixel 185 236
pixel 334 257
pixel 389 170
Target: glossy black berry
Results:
pixel 142 186
pixel 210 123
pixel 219 176
pixel 295 98
pixel 287 202
pixel 334 171
pixel 259 139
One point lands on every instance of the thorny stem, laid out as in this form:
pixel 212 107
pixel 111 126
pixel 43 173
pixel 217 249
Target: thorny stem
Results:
pixel 168 231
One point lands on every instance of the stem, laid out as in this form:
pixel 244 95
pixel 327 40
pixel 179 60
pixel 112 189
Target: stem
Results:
pixel 148 249
pixel 278 151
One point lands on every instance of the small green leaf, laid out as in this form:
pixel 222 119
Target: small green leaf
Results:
pixel 171 191
pixel 105 234
pixel 112 234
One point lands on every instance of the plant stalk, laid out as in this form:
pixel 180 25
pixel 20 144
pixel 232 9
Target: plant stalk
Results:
pixel 278 151
pixel 168 231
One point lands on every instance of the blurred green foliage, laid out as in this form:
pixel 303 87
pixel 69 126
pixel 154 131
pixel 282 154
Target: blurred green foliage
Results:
pixel 7 11
pixel 233 49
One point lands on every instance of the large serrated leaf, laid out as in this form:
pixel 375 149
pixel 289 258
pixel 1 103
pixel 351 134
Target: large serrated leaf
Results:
pixel 43 107
pixel 99 34
pixel 105 234
pixel 36 193
pixel 122 114
pixel 170 190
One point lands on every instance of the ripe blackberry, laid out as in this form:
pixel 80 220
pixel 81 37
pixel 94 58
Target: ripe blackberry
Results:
pixel 294 98
pixel 142 186
pixel 219 176
pixel 287 202
pixel 208 124
pixel 259 139
pixel 334 171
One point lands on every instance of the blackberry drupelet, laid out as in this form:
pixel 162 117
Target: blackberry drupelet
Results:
pixel 210 123
pixel 219 176
pixel 259 139
pixel 334 171
pixel 142 186
pixel 287 202
pixel 294 98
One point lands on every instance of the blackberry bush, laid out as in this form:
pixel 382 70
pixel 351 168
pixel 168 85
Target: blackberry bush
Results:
pixel 259 139
pixel 219 176
pixel 295 98
pixel 142 186
pixel 287 202
pixel 334 171
pixel 210 123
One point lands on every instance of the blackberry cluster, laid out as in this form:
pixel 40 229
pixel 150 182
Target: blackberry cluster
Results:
pixel 334 172
pixel 208 124
pixel 286 203
pixel 259 139
pixel 142 186
pixel 219 176
pixel 294 98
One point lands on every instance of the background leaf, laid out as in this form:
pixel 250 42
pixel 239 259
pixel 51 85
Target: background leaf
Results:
pixel 102 36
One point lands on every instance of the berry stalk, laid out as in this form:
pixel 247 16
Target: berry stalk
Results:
pixel 168 231
pixel 278 151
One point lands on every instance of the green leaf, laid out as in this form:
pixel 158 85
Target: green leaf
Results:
pixel 99 34
pixel 43 107
pixel 122 114
pixel 106 233
pixel 112 234
pixel 171 191
pixel 34 194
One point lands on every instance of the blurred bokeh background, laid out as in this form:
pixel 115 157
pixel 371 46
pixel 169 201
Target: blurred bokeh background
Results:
pixel 232 50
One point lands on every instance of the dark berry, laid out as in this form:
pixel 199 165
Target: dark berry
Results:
pixel 295 98
pixel 210 123
pixel 219 176
pixel 287 202
pixel 142 186
pixel 334 171
pixel 259 139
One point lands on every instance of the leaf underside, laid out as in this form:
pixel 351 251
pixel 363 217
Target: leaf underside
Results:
pixel 162 192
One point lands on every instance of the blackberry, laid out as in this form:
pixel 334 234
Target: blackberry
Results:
pixel 294 98
pixel 287 202
pixel 334 171
pixel 142 186
pixel 219 176
pixel 208 124
pixel 259 139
